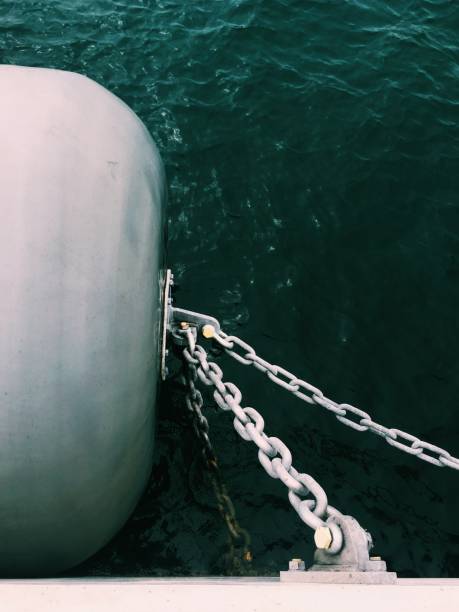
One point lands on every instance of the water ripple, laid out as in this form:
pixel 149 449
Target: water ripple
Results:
pixel 311 150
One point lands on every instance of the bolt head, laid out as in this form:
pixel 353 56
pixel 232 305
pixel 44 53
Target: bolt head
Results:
pixel 208 331
pixel 323 538
pixel 184 325
pixel 296 565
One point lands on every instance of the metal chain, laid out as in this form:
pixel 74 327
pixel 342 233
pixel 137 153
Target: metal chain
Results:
pixel 312 395
pixel 239 554
pixel 273 454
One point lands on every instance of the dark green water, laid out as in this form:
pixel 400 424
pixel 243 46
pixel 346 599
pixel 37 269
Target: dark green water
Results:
pixel 312 151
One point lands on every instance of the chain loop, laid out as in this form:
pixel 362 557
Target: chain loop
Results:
pixel 393 441
pixel 353 410
pixel 286 384
pixel 241 358
pixel 442 454
pixel 259 363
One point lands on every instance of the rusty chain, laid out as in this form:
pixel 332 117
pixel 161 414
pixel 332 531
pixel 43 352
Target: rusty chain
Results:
pixel 239 553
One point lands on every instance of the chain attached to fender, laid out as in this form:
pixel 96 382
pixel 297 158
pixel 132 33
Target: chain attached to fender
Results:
pixel 312 395
pixel 306 496
pixel 273 454
pixel 210 329
pixel 239 554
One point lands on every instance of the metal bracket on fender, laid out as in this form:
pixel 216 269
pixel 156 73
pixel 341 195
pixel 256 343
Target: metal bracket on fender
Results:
pixel 352 564
pixel 179 318
pixel 167 305
pixel 175 319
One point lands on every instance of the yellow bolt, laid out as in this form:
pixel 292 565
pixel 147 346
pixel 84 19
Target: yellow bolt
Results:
pixel 208 331
pixel 323 538
pixel 375 558
pixel 184 325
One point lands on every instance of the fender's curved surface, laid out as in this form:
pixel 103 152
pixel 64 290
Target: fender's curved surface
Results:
pixel 82 197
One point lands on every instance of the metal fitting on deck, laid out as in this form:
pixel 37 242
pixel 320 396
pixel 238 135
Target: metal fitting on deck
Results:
pixel 296 565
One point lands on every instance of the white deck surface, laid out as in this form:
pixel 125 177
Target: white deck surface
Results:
pixel 224 595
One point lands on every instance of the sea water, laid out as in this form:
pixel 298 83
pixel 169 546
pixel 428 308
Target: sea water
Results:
pixel 312 151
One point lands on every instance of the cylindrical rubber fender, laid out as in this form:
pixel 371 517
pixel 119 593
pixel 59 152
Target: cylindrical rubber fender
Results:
pixel 82 215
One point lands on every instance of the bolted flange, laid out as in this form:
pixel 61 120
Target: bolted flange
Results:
pixel 351 564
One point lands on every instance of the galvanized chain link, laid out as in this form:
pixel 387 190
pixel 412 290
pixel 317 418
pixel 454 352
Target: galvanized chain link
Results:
pixel 312 395
pixel 273 454
pixel 239 553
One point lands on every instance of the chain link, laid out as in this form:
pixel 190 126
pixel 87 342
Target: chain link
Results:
pixel 312 395
pixel 273 454
pixel 239 554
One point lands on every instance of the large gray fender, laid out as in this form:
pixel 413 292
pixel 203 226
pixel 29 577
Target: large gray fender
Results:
pixel 82 196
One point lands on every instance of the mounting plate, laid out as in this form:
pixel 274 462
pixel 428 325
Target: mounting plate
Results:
pixel 167 304
pixel 330 577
